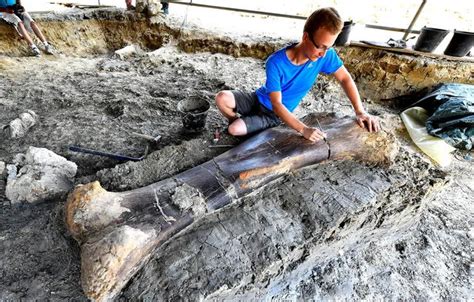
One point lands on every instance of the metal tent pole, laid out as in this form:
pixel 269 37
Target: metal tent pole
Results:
pixel 408 31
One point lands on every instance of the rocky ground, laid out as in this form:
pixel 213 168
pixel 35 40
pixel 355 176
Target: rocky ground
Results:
pixel 341 230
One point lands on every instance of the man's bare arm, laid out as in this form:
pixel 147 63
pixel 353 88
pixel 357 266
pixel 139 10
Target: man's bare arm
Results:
pixel 312 134
pixel 347 83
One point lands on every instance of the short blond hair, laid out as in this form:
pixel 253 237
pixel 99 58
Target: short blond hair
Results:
pixel 326 17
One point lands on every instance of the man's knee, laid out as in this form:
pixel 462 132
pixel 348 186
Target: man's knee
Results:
pixel 225 98
pixel 237 128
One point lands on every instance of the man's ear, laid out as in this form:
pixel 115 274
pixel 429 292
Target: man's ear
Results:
pixel 305 36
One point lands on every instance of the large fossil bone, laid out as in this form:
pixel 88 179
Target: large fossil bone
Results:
pixel 118 232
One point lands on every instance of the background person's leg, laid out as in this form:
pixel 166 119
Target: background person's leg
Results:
pixel 27 19
pixel 24 32
pixel 16 21
pixel 38 32
pixel 47 47
pixel 129 5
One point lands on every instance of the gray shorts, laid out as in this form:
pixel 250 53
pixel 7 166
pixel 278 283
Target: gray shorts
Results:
pixel 15 20
pixel 255 116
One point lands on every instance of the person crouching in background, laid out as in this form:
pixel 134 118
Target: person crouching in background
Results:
pixel 14 13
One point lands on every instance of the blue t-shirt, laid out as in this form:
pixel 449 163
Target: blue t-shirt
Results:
pixel 7 3
pixel 294 81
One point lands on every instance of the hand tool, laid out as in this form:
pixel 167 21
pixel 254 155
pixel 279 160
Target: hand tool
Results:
pixel 324 138
pixel 321 129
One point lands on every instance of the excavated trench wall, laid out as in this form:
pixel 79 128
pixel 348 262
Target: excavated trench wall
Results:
pixel 379 74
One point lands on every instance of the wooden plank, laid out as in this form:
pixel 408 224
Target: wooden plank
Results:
pixel 408 51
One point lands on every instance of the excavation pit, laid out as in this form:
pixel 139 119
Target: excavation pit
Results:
pixel 341 228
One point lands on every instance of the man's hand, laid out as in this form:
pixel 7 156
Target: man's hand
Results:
pixel 313 134
pixel 367 121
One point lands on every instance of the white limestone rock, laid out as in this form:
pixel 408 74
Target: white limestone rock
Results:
pixel 45 175
pixel 128 51
pixel 19 126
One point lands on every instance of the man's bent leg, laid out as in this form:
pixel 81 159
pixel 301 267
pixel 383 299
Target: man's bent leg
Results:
pixel 253 124
pixel 225 102
pixel 237 128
